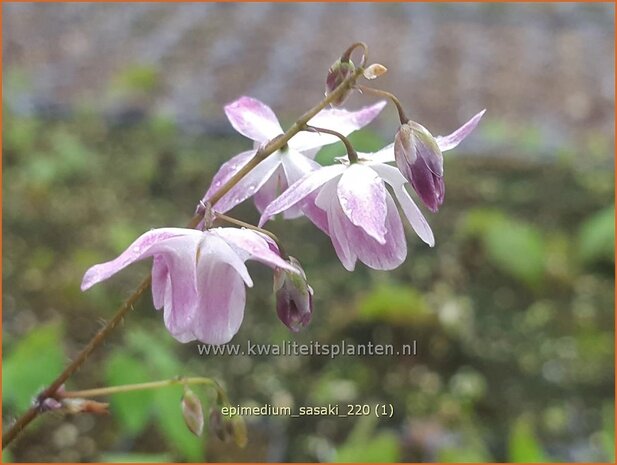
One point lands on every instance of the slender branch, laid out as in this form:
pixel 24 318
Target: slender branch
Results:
pixel 382 93
pixel 351 152
pixel 275 144
pixel 104 391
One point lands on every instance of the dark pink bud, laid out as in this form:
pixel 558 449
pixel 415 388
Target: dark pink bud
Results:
pixel 337 73
pixel 294 297
pixel 419 158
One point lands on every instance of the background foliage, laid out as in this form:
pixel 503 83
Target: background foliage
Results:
pixel 512 310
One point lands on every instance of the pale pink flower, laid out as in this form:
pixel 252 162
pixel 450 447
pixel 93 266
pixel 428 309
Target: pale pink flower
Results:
pixel 198 277
pixel 266 181
pixel 352 205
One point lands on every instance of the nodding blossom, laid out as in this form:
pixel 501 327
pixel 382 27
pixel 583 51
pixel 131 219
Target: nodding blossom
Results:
pixel 198 277
pixel 273 175
pixel 419 157
pixel 294 297
pixel 350 203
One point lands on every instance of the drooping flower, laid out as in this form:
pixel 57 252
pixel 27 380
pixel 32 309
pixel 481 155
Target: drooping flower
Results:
pixel 266 181
pixel 294 297
pixel 198 277
pixel 419 157
pixel 352 205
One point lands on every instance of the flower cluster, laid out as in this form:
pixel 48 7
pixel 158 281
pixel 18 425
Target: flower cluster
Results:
pixel 199 275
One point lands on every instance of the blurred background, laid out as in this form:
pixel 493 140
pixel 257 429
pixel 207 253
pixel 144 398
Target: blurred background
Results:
pixel 113 125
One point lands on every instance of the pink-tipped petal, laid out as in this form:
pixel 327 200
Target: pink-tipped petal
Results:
pixel 251 245
pixel 380 256
pixel 160 281
pixel 296 166
pixel 300 190
pixel 343 121
pixel 415 217
pixel 226 172
pixel 180 295
pixel 318 216
pixel 222 295
pixel 272 188
pixel 139 249
pixel 218 246
pixel 328 201
pixel 249 184
pixel 253 119
pixel 452 140
pixel 362 196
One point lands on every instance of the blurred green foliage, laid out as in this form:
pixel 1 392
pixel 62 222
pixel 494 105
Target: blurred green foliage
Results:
pixel 513 246
pixel 523 446
pixel 34 361
pixel 512 310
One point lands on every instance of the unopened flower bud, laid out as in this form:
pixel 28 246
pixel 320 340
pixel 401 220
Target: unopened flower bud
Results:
pixel 374 71
pixel 192 412
pixel 238 429
pixel 337 73
pixel 218 425
pixel 294 297
pixel 419 158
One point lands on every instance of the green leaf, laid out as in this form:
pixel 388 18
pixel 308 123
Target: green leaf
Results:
pixel 35 362
pixel 7 457
pixel 468 453
pixel 515 247
pixel 135 458
pixel 523 445
pixel 132 409
pixel 364 445
pixel 395 304
pixel 154 347
pixel 608 431
pixel 597 237
pixel 518 249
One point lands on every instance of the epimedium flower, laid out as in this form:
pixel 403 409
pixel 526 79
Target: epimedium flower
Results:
pixel 418 156
pixel 273 175
pixel 198 277
pixel 351 204
pixel 294 297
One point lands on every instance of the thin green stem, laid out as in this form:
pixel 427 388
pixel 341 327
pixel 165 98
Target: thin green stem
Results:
pixel 347 54
pixel 382 93
pixel 351 152
pixel 104 391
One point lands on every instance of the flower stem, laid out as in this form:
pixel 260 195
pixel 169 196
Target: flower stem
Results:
pixel 382 93
pixel 347 54
pixel 351 152
pixel 104 391
pixel 241 223
pixel 275 144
